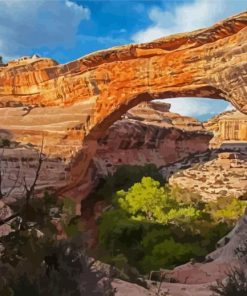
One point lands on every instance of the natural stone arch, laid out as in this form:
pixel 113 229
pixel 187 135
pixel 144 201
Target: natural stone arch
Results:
pixel 209 63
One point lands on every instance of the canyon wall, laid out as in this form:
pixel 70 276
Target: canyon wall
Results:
pixel 223 174
pixel 150 133
pixel 228 127
pixel 71 106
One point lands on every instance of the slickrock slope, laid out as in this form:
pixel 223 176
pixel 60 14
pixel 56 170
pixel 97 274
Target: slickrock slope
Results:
pixel 48 98
pixel 149 133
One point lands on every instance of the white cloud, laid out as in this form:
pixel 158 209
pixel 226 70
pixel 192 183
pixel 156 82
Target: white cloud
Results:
pixel 26 24
pixel 230 107
pixel 197 107
pixel 187 17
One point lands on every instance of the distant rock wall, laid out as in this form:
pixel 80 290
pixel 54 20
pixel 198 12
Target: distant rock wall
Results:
pixel 229 126
pixel 149 133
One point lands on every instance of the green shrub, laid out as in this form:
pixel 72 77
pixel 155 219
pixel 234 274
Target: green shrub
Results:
pixel 226 209
pixel 124 177
pixel 4 143
pixel 151 226
pixel 169 253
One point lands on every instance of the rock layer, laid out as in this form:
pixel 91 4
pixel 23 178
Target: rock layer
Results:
pixel 224 175
pixel 149 133
pixel 49 98
pixel 228 127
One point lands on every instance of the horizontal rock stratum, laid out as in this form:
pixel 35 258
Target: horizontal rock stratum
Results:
pixel 210 63
pixel 81 99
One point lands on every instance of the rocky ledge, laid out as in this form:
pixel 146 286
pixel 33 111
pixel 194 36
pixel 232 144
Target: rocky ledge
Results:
pixel 224 175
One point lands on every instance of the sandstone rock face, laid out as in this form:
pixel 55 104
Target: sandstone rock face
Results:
pixel 224 175
pixel 78 101
pixel 149 133
pixel 17 163
pixel 228 127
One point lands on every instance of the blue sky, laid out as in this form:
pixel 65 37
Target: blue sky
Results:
pixel 68 29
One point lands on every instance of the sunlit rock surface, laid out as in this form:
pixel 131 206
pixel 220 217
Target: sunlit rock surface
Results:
pixel 228 127
pixel 224 175
pixel 149 133
pixel 80 100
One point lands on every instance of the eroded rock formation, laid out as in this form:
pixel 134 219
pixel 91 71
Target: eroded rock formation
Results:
pixel 149 133
pixel 224 175
pixel 228 127
pixel 81 99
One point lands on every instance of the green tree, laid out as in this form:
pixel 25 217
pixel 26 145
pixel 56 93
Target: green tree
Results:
pixel 227 209
pixel 124 177
pixel 169 253
pixel 150 201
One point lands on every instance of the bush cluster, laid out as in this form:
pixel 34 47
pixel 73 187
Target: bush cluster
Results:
pixel 152 226
pixel 34 262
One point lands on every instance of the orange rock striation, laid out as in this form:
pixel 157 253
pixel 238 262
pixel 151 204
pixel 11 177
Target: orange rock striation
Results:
pixel 148 133
pixel 81 99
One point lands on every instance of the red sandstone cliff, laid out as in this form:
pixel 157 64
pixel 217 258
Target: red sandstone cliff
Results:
pixel 149 133
pixel 74 104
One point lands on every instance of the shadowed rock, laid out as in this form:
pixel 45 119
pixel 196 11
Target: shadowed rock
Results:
pixel 84 97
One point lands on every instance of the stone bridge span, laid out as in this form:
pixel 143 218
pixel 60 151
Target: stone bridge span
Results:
pixel 210 63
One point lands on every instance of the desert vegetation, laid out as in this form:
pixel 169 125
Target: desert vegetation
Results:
pixel 151 225
pixel 147 225
pixel 45 253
